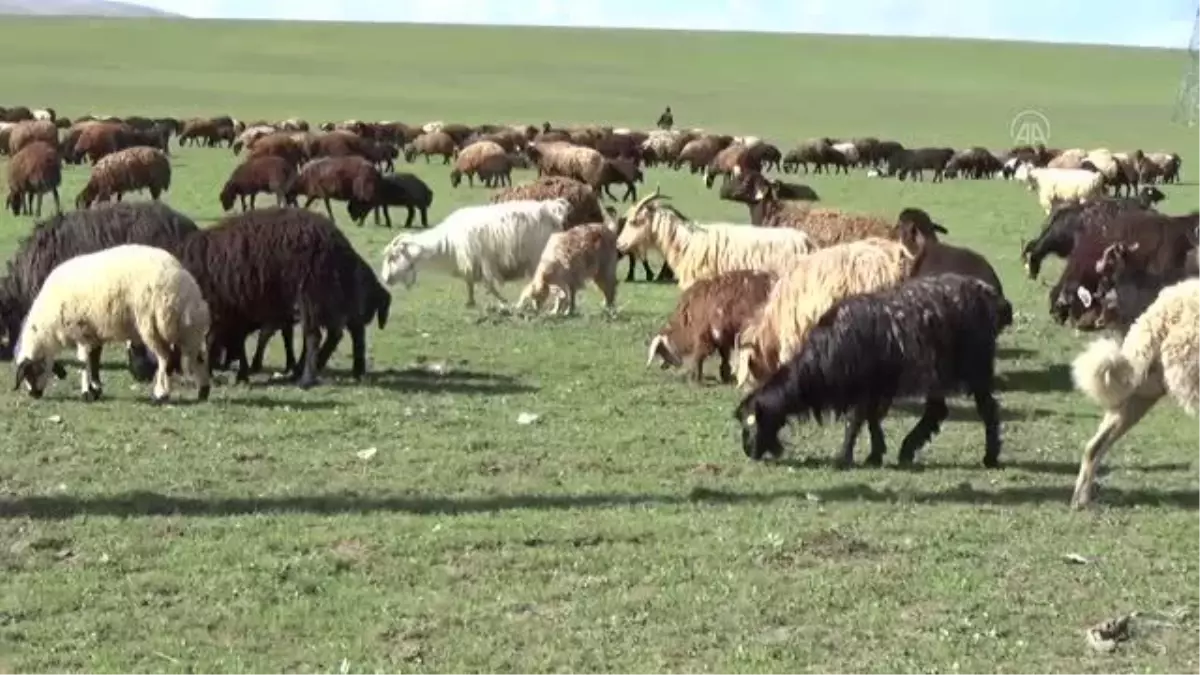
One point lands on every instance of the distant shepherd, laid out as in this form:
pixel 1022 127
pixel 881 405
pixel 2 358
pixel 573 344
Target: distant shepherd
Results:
pixel 666 120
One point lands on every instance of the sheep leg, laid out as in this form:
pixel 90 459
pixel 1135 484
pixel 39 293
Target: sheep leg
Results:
pixel 1116 423
pixel 412 213
pixel 289 348
pixel 989 412
pixel 194 363
pixel 308 202
pixel 630 192
pixel 264 337
pixel 726 369
pixel 490 286
pixel 329 209
pixel 854 427
pixel 333 338
pixel 875 429
pixel 606 281
pixel 253 199
pixel 312 344
pixel 607 193
pixel 89 375
pixel 930 424
pixel 665 274
pixel 470 293
pixel 39 204
pixel 358 350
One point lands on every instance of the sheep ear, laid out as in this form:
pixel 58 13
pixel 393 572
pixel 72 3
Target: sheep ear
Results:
pixel 19 373
pixel 1085 296
pixel 59 371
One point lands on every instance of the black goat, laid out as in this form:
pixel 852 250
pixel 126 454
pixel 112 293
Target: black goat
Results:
pixel 930 336
pixel 1066 221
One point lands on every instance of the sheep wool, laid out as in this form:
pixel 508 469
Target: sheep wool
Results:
pixel 488 244
pixel 127 292
pixel 569 260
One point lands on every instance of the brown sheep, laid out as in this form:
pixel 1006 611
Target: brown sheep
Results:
pixel 585 204
pixel 34 170
pixel 282 145
pixel 209 131
pixel 128 170
pixel 435 143
pixel 569 260
pixel 585 165
pixel 97 140
pixel 825 227
pixel 708 318
pixel 621 171
pixel 25 133
pixel 485 159
pixel 699 153
pixel 342 178
pixel 724 163
pixel 263 173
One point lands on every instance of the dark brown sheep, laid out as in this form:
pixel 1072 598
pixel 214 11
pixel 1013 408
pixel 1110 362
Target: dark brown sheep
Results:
pixel 621 171
pixel 708 317
pixel 342 178
pixel 33 171
pixel 401 189
pixel 265 173
pixel 128 170
pixel 281 145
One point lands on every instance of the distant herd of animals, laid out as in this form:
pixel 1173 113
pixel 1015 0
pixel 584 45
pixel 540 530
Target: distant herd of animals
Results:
pixel 813 311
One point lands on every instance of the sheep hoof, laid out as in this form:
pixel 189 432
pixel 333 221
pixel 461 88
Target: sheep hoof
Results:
pixel 991 462
pixel 92 394
pixel 306 382
pixel 873 461
pixel 159 400
pixel 202 394
pixel 843 463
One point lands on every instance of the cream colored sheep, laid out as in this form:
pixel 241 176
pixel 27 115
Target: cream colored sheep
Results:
pixel 1068 159
pixel 123 293
pixel 486 159
pixel 556 158
pixel 697 252
pixel 1160 355
pixel 1061 185
pixel 569 260
pixel 804 293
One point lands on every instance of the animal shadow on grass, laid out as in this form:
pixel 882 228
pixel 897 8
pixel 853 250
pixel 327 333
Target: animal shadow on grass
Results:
pixel 270 403
pixel 965 412
pixel 1055 377
pixel 143 504
pixel 424 380
pixel 928 461
pixel 1013 352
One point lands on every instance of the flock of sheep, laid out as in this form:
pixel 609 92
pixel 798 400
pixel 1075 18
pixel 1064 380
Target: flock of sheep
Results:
pixel 812 310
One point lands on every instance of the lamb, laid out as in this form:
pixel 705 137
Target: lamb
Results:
pixel 585 165
pixel 67 235
pixel 814 284
pixel 1160 355
pixel 343 178
pixel 429 144
pixel 694 253
pixel 488 244
pixel 1061 185
pixel 25 133
pixel 569 260
pixel 255 269
pixel 266 173
pixel 584 201
pixel 33 171
pixel 127 292
pixel 129 170
pixel 929 337
pixel 707 318
pixel 398 189
pixel 485 159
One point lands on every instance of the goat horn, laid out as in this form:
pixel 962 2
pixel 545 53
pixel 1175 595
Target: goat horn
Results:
pixel 637 208
pixel 653 350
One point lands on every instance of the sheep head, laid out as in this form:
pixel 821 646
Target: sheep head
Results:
pixel 400 263
pixel 916 229
pixel 35 374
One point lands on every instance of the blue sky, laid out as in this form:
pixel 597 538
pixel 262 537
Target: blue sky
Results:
pixel 1151 23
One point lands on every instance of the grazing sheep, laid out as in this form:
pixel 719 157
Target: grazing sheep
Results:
pixel 129 170
pixel 696 252
pixel 1160 355
pixel 916 161
pixel 724 163
pixel 279 145
pixel 804 292
pixel 974 163
pixel 488 244
pixel 585 165
pixel 67 235
pixel 343 178
pixel 252 134
pixel 1066 221
pixel 486 159
pixel 930 337
pixel 1061 185
pixel 621 171
pixel 397 189
pixel 1159 166
pixel 266 173
pixel 256 268
pixel 584 201
pixel 708 318
pixel 743 189
pixel 122 293
pixel 430 144
pixel 816 151
pixel 825 227
pixel 33 171
pixel 25 133
pixel 569 260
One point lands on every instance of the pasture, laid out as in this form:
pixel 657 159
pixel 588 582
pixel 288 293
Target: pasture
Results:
pixel 624 530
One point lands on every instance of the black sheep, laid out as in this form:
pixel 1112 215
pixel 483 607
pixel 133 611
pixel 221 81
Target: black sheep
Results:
pixel 256 267
pixel 930 336
pixel 1066 221
pixel 917 161
pixel 64 236
pixel 396 189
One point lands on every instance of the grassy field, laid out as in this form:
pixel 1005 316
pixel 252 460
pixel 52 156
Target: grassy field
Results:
pixel 624 530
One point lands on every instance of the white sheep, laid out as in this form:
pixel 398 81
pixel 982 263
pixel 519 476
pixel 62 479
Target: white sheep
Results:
pixel 488 244
pixel 570 259
pixel 1062 185
pixel 123 293
pixel 697 252
pixel 430 127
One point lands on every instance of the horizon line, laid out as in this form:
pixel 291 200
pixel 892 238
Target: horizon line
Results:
pixel 175 16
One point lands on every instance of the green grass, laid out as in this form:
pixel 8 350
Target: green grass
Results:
pixel 624 530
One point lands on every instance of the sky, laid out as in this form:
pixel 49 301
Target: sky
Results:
pixel 1147 23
